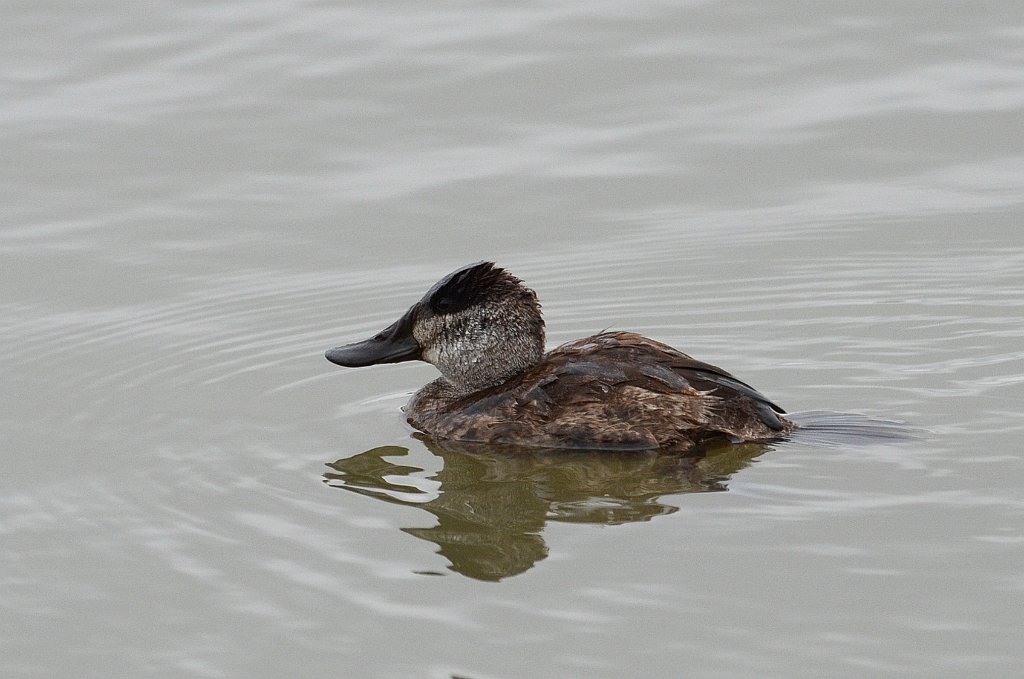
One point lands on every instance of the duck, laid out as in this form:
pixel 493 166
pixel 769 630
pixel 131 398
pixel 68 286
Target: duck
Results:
pixel 482 328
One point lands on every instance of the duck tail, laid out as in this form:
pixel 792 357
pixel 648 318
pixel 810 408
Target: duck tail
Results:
pixel 833 429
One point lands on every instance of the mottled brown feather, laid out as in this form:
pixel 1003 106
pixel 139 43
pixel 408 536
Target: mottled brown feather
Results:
pixel 615 390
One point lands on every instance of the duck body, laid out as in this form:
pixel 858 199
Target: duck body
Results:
pixel 612 391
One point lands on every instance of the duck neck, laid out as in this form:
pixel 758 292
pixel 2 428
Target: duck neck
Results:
pixel 475 375
pixel 490 363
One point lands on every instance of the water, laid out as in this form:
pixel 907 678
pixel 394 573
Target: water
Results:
pixel 200 198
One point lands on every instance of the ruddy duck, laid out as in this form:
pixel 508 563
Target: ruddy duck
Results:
pixel 482 328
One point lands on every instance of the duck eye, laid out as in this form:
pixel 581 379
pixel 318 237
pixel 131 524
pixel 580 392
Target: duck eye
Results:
pixel 443 304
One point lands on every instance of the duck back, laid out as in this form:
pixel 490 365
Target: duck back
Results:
pixel 614 390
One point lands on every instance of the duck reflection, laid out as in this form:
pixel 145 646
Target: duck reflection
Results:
pixel 492 503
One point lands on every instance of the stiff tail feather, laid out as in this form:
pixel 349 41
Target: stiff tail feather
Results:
pixel 832 429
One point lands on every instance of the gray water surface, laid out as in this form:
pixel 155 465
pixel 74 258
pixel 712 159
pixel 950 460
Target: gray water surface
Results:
pixel 199 198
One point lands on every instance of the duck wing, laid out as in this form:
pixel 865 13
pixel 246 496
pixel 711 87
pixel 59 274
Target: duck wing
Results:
pixel 617 357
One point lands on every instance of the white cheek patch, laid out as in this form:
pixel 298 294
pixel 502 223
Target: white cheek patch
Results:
pixel 429 355
pixel 422 333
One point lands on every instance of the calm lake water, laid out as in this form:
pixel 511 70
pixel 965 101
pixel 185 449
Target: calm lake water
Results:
pixel 199 198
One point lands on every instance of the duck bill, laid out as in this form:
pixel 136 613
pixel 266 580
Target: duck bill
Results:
pixel 393 344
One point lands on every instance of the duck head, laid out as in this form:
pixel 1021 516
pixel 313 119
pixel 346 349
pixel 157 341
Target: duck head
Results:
pixel 478 325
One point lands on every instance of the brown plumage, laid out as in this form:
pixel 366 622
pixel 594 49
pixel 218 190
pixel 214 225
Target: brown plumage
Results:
pixel 617 390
